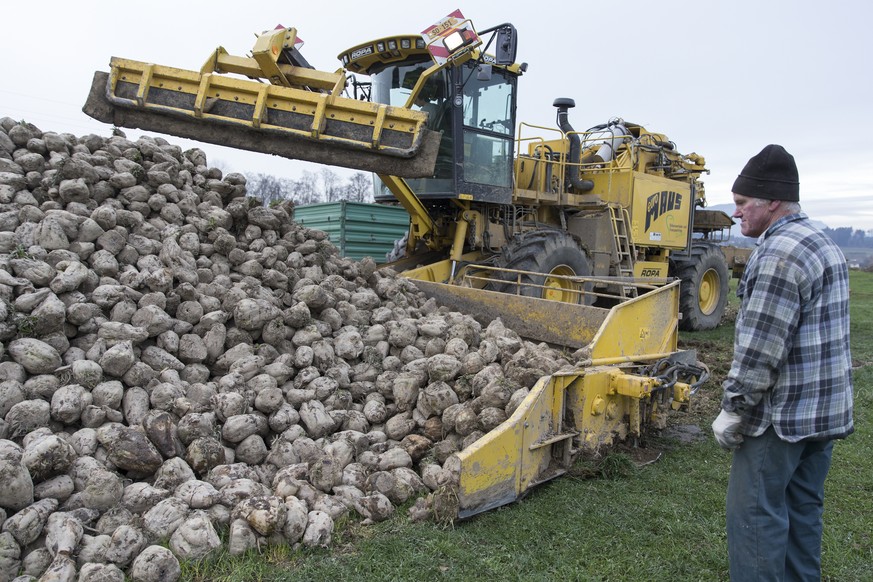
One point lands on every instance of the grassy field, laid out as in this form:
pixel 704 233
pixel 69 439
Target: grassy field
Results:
pixel 611 521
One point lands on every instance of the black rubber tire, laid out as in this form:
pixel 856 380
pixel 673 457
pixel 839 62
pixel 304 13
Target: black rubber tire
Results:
pixel 546 251
pixel 703 289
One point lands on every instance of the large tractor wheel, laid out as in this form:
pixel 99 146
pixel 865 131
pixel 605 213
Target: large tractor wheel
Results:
pixel 554 253
pixel 704 286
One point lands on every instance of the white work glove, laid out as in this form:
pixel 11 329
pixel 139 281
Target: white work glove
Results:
pixel 725 428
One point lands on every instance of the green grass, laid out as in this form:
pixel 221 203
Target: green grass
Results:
pixel 861 302
pixel 663 521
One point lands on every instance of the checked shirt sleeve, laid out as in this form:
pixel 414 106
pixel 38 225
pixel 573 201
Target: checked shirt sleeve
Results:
pixel 769 317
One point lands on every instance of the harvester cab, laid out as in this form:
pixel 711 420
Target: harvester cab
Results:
pixel 470 99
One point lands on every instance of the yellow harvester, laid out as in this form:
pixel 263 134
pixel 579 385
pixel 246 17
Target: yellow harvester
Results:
pixel 593 239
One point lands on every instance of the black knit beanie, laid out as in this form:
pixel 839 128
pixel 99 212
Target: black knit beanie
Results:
pixel 771 175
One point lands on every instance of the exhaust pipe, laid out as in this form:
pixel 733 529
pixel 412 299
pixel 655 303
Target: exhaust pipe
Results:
pixel 564 104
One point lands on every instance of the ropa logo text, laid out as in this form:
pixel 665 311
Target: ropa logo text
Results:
pixel 660 203
pixel 362 52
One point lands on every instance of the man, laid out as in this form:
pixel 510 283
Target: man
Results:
pixel 788 394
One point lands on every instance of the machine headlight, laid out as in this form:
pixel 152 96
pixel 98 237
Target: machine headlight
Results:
pixel 459 39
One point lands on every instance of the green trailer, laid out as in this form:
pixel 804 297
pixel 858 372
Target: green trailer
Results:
pixel 357 229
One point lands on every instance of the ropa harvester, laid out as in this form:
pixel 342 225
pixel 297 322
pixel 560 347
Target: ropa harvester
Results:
pixel 590 239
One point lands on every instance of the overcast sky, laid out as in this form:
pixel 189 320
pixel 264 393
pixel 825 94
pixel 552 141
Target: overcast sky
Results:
pixel 722 79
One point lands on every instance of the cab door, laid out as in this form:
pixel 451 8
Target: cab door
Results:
pixel 485 117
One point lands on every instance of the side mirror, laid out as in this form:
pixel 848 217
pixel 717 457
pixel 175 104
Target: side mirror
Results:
pixel 506 45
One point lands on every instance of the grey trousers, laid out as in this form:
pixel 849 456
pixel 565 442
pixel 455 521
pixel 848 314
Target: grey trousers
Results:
pixel 775 501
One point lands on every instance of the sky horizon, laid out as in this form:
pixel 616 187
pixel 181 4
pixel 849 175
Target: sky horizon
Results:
pixel 722 81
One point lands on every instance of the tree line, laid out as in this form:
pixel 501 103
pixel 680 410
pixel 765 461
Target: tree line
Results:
pixel 311 188
pixel 847 237
pixel 326 185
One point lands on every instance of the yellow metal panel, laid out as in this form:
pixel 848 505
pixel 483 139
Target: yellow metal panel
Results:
pixel 645 325
pixel 612 185
pixel 540 319
pixel 599 413
pixel 661 211
pixel 603 402
pixel 505 462
pixel 438 272
pixel 604 405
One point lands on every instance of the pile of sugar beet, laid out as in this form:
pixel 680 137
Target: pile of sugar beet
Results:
pixel 177 360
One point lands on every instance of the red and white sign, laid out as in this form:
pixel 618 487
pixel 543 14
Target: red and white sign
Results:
pixel 298 42
pixel 436 33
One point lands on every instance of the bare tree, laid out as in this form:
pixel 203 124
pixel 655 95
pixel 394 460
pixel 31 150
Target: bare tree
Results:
pixel 269 189
pixel 331 189
pixel 306 189
pixel 310 188
pixel 359 188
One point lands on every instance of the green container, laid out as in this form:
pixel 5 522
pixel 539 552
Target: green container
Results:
pixel 357 229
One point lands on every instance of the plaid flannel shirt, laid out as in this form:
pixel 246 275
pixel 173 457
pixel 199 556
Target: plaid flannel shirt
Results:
pixel 792 365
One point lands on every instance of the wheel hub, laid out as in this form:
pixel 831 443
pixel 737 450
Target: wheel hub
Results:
pixel 709 292
pixel 559 289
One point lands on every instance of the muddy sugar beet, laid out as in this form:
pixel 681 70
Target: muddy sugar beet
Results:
pixel 177 360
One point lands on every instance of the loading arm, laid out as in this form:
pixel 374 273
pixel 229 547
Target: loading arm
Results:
pixel 299 113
